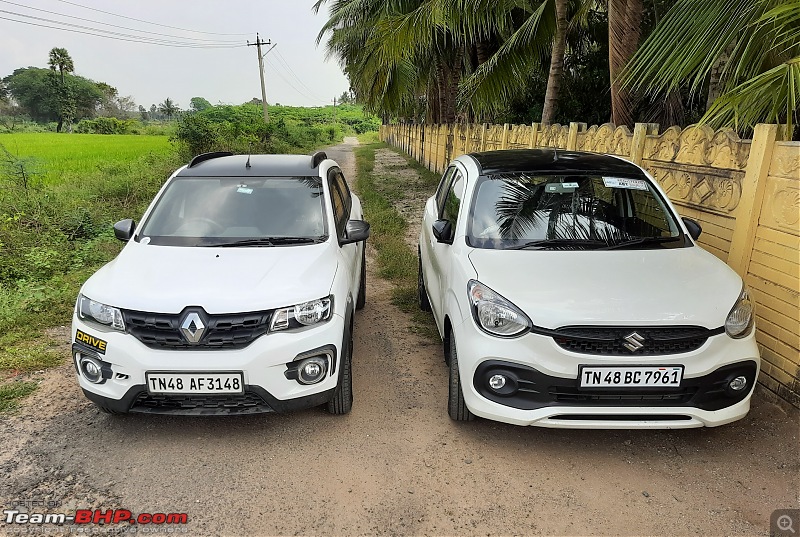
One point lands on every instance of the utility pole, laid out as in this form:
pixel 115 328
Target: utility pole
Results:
pixel 334 110
pixel 258 44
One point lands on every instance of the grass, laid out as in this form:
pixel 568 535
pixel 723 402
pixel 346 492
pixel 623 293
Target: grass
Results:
pixel 56 157
pixel 397 261
pixel 11 393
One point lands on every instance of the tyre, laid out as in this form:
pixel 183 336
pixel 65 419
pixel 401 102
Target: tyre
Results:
pixel 342 400
pixel 105 410
pixel 456 406
pixel 422 294
pixel 362 286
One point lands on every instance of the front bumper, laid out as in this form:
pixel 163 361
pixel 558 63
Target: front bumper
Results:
pixel 549 393
pixel 263 364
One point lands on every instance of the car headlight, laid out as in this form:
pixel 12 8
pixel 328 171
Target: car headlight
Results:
pixel 299 315
pixel 740 319
pixel 495 314
pixel 98 312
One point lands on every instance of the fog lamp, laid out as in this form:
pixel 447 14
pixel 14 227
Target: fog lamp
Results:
pixel 738 383
pixel 91 370
pixel 312 370
pixel 496 382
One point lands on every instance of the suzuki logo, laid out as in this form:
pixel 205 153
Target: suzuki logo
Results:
pixel 192 327
pixel 635 342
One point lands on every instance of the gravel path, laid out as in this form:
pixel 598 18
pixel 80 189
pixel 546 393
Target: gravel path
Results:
pixel 396 465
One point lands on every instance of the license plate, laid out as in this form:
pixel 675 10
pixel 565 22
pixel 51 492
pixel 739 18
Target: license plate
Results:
pixel 158 382
pixel 631 376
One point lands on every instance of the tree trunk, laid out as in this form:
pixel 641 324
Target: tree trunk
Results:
pixel 624 31
pixel 60 124
pixel 556 63
pixel 714 86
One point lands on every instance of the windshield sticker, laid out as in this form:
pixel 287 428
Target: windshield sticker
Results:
pixel 561 188
pixel 631 184
pixel 243 190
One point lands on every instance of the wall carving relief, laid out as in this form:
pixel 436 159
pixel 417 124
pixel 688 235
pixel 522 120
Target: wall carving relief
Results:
pixel 718 193
pixel 606 138
pixel 700 146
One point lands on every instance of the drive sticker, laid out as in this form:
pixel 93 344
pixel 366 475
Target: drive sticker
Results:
pixel 243 190
pixel 97 344
pixel 619 182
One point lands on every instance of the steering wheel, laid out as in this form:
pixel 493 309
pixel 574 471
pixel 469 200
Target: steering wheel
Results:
pixel 204 223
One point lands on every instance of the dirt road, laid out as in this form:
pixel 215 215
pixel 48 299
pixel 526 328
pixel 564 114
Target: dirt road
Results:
pixel 396 465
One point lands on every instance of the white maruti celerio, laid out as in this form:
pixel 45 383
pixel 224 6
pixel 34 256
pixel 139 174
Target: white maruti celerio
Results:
pixel 235 295
pixel 569 293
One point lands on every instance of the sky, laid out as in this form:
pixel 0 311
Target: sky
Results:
pixel 296 70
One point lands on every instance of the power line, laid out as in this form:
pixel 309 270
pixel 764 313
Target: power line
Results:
pixel 139 40
pixel 298 91
pixel 214 41
pixel 291 71
pixel 144 21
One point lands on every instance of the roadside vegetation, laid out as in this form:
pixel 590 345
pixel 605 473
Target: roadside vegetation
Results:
pixel 397 260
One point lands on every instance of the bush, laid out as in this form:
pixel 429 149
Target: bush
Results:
pixel 107 125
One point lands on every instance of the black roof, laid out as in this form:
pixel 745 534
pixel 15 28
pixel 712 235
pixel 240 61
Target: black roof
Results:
pixel 260 166
pixel 544 160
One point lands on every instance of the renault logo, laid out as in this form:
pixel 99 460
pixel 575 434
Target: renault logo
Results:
pixel 635 342
pixel 192 327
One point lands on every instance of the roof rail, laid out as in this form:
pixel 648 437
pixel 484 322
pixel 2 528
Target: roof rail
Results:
pixel 208 156
pixel 318 157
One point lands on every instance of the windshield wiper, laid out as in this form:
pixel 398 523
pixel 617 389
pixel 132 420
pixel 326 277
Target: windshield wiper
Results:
pixel 547 243
pixel 639 241
pixel 270 241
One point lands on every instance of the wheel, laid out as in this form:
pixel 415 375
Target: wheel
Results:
pixel 342 400
pixel 456 406
pixel 105 410
pixel 422 294
pixel 362 286
pixel 200 224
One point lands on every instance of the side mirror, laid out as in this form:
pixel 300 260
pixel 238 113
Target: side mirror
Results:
pixel 123 230
pixel 356 231
pixel 693 227
pixel 443 231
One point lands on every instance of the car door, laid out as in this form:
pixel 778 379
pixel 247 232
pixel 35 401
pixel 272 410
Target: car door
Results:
pixel 427 240
pixel 448 207
pixel 342 204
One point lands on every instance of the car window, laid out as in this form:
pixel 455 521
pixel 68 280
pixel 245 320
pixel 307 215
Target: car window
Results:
pixel 444 186
pixel 203 211
pixel 340 209
pixel 345 191
pixel 580 211
pixel 452 203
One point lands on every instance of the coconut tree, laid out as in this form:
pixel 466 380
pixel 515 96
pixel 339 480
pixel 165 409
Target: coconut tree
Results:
pixel 760 43
pixel 168 108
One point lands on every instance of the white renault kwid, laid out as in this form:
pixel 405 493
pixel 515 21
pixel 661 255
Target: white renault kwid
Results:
pixel 235 295
pixel 569 293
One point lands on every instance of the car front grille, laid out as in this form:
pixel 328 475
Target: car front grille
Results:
pixel 231 331
pixel 240 403
pixel 564 394
pixel 610 341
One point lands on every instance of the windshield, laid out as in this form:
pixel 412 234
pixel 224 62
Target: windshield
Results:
pixel 569 212
pixel 207 211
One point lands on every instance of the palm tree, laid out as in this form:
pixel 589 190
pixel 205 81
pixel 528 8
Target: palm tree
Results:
pixel 760 79
pixel 168 108
pixel 59 59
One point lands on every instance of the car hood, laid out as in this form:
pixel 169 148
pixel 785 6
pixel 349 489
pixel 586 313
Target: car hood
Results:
pixel 675 286
pixel 166 279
